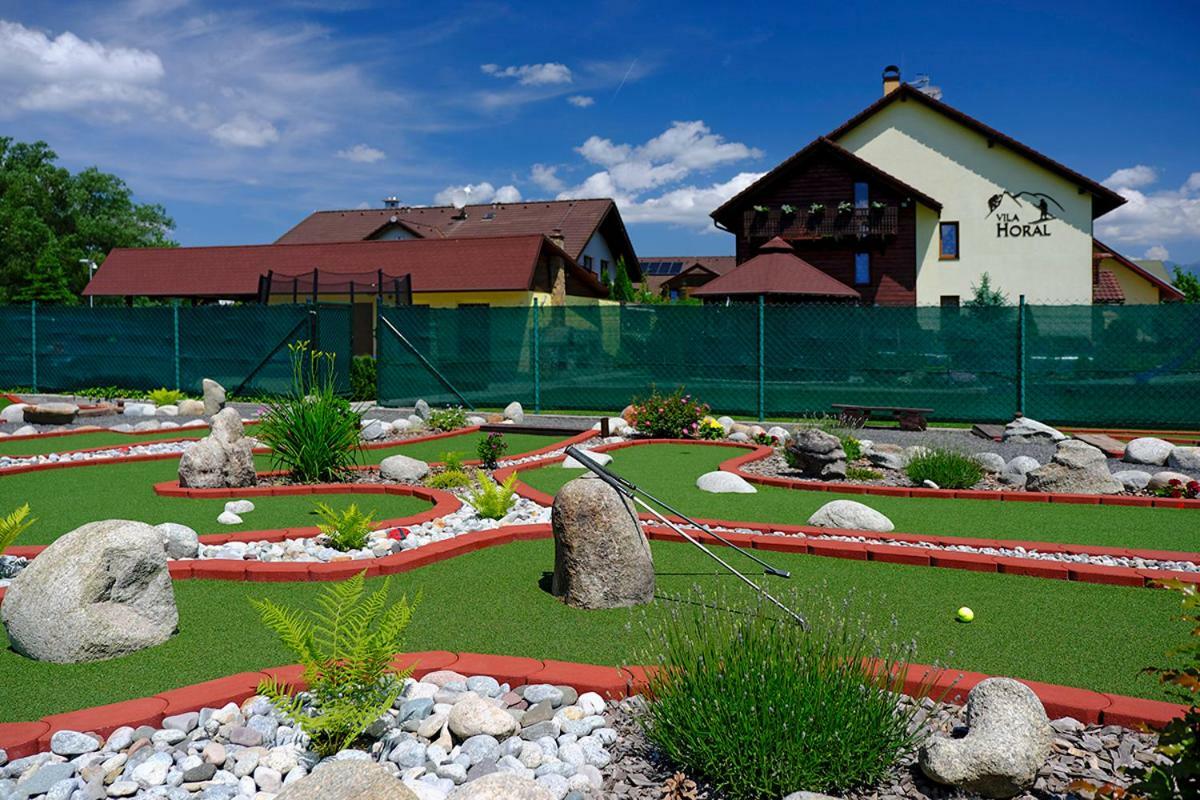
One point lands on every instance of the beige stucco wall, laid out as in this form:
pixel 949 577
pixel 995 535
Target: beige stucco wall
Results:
pixel 1138 291
pixel 955 166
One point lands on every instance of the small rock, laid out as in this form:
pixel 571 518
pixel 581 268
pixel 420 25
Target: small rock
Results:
pixel 403 469
pixel 514 412
pixel 1134 480
pixel 603 459
pixel 1148 450
pixel 229 518
pixel 239 506
pixel 1161 480
pixel 474 715
pixel 73 743
pixel 850 515
pixel 721 482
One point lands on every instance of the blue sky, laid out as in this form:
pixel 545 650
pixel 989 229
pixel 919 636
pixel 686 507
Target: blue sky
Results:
pixel 242 118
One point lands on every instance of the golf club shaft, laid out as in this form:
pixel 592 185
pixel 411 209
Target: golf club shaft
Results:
pixel 626 487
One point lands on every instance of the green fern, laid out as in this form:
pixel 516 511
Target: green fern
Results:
pixel 492 501
pixel 346 646
pixel 347 529
pixel 14 525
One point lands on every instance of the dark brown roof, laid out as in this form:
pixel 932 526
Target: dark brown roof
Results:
pixel 1166 290
pixel 1106 289
pixel 1103 198
pixel 776 270
pixel 714 265
pixel 503 263
pixel 577 219
pixel 822 146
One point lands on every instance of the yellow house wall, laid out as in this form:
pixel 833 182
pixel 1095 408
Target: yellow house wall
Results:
pixel 1138 291
pixel 955 166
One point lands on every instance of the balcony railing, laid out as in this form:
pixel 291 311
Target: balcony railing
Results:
pixel 858 223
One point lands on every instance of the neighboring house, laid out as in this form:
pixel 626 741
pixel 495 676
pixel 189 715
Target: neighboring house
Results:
pixel 911 201
pixel 777 274
pixel 591 231
pixel 496 271
pixel 1131 282
pixel 675 277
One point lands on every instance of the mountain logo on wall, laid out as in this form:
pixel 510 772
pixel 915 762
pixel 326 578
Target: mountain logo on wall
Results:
pixel 1022 214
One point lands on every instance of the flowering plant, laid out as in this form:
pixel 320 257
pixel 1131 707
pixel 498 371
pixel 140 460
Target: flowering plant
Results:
pixel 667 416
pixel 765 438
pixel 710 429
pixel 1178 489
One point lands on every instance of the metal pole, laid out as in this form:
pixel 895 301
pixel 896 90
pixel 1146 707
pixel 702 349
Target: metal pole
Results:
pixel 762 385
pixel 537 358
pixel 175 314
pixel 1021 355
pixel 425 362
pixel 33 342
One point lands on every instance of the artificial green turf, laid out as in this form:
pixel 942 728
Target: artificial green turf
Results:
pixel 670 471
pixel 1084 635
pixel 91 439
pixel 464 444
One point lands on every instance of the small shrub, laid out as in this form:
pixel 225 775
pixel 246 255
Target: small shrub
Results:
pixel 710 429
pixel 346 529
pixel 667 416
pixel 452 461
pixel 493 500
pixel 364 378
pixel 760 708
pixel 491 449
pixel 449 479
pixel 852 448
pixel 863 474
pixel 949 469
pixel 166 397
pixel 313 434
pixel 14 525
pixel 447 419
pixel 346 646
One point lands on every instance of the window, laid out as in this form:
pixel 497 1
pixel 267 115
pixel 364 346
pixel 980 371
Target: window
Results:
pixel 948 241
pixel 949 301
pixel 604 269
pixel 861 195
pixel 587 263
pixel 862 269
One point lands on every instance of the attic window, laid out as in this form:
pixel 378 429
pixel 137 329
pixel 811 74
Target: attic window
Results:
pixel 489 215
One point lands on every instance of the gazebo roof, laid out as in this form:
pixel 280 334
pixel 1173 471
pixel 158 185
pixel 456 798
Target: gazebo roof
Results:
pixel 776 270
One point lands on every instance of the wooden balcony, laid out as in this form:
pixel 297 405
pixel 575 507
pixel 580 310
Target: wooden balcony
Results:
pixel 858 223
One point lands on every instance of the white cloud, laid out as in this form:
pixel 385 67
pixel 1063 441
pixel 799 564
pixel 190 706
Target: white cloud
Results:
pixel 473 194
pixel 1131 177
pixel 1157 253
pixel 40 73
pixel 531 74
pixel 362 154
pixel 1152 217
pixel 546 177
pixel 581 100
pixel 246 130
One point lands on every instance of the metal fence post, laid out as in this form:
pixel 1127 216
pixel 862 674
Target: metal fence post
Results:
pixel 762 385
pixel 33 344
pixel 1021 355
pixel 537 357
pixel 175 315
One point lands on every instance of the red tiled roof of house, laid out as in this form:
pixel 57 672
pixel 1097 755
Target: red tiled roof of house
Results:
pixel 577 219
pixel 776 270
pixel 502 263
pixel 1106 288
pixel 1167 291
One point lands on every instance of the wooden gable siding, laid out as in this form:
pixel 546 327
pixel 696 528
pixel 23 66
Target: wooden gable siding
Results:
pixel 893 258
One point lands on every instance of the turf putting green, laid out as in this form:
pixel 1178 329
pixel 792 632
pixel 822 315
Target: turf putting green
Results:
pixel 1083 635
pixel 669 471
pixel 465 444
pixel 92 439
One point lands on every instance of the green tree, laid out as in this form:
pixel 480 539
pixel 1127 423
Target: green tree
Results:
pixel 985 295
pixel 1189 284
pixel 622 287
pixel 51 222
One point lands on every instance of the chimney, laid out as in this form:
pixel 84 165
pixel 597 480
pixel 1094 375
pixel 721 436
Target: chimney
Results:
pixel 891 79
pixel 556 236
pixel 391 201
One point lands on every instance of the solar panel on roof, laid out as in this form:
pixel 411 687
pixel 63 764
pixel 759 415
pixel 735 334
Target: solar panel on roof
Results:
pixel 674 267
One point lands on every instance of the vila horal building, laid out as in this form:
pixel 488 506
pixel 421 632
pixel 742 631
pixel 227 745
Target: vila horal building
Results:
pixel 911 202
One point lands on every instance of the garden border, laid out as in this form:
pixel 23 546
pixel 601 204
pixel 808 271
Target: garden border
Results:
pixel 21 739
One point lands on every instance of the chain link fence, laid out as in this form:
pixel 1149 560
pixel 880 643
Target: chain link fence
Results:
pixel 1083 365
pixel 244 348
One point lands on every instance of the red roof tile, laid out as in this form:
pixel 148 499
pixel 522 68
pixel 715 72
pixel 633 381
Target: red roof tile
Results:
pixel 503 263
pixel 776 270
pixel 1106 288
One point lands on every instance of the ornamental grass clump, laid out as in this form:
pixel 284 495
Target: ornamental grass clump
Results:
pixel 759 708
pixel 166 397
pixel 667 416
pixel 346 646
pixel 312 432
pixel 949 469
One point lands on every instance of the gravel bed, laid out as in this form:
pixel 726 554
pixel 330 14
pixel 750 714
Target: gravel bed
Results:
pixel 1079 751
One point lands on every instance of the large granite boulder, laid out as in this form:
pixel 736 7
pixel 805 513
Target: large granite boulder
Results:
pixel 1184 458
pixel 347 779
pixel 1026 429
pixel 849 515
pixel 501 786
pixel 51 413
pixel 214 396
pixel 1007 742
pixel 1166 478
pixel 514 413
pixel 1077 468
pixel 14 413
pixel 403 469
pixel 222 459
pixel 888 456
pixel 601 558
pixel 817 454
pixel 98 592
pixel 1148 450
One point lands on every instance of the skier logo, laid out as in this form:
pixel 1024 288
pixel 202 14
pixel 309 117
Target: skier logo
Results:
pixel 1010 224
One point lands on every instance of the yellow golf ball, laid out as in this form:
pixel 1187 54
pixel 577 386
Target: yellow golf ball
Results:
pixel 965 614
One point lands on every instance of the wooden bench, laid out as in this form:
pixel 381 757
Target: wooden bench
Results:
pixel 910 419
